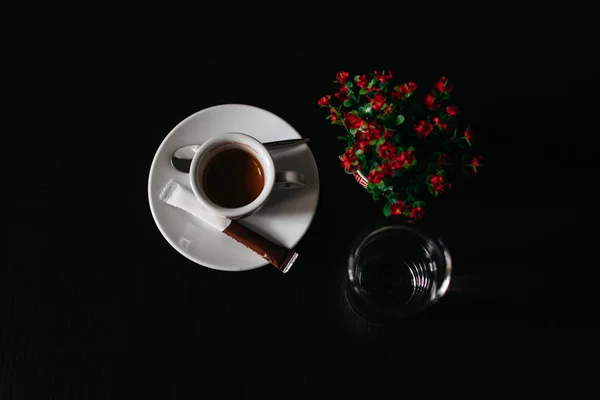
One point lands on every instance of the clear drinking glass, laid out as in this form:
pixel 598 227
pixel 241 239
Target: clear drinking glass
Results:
pixel 396 269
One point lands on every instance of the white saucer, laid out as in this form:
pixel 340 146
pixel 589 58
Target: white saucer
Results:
pixel 284 219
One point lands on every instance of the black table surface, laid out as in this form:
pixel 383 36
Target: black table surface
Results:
pixel 94 303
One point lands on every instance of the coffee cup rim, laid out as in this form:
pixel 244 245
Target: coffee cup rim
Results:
pixel 263 156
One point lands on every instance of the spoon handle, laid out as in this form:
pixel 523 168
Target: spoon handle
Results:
pixel 281 144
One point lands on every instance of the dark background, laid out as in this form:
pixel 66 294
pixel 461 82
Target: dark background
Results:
pixel 94 303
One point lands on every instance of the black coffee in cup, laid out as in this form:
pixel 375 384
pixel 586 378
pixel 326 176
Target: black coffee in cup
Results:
pixel 233 178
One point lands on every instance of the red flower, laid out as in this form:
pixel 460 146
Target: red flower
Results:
pixel 410 157
pixel 423 129
pixel 379 173
pixel 324 101
pixel 438 182
pixel 375 177
pixel 469 135
pixel 431 102
pixel 387 110
pixel 373 131
pixel 363 143
pixel 403 159
pixel 342 94
pixel 333 114
pixel 408 87
pixel 476 163
pixel 397 208
pixel 452 111
pixel 377 101
pixel 417 213
pixel 403 91
pixel 342 77
pixel 349 161
pixel 436 179
pixel 438 122
pixel 362 81
pixel 443 160
pixel 387 134
pixel 398 161
pixel 383 77
pixel 353 122
pixel 387 151
pixel 442 85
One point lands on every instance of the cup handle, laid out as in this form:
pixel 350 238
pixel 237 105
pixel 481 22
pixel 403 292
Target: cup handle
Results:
pixel 288 180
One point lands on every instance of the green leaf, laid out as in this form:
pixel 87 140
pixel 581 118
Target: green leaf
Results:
pixel 373 81
pixel 359 153
pixel 354 112
pixel 370 187
pixel 386 209
pixel 348 102
pixel 410 148
pixel 343 138
pixel 361 110
pixel 381 185
pixel 349 85
pixel 384 85
pixel 356 78
pixel 372 164
pixel 419 204
pixel 363 91
pixel 376 196
pixel 399 119
pixel 381 140
pixel 353 131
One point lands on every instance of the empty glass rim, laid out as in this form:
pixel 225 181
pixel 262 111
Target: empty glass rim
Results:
pixel 437 243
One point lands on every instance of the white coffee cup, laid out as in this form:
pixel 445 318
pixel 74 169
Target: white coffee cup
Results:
pixel 235 140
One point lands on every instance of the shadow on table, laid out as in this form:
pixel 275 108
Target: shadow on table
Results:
pixel 472 300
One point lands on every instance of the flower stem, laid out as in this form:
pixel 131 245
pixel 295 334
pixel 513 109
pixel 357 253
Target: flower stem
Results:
pixel 337 113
